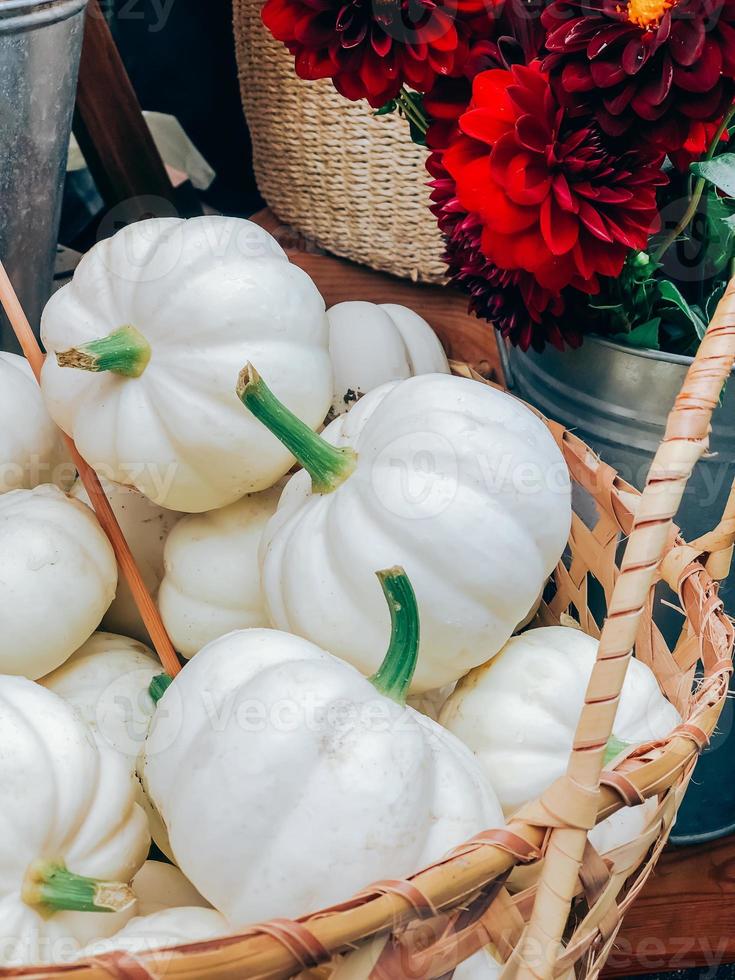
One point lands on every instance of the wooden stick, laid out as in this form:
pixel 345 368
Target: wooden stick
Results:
pixel 111 130
pixel 105 514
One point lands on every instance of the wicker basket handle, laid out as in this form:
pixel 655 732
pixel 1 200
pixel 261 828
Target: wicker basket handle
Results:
pixel 571 802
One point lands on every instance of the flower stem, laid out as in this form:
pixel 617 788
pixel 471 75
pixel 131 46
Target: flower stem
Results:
pixel 328 466
pixel 696 197
pixel 50 887
pixel 125 352
pixel 158 686
pixel 393 677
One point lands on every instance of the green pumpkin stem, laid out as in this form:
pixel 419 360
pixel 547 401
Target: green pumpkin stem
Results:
pixel 393 677
pixel 327 465
pixel 613 749
pixel 158 686
pixel 50 887
pixel 125 352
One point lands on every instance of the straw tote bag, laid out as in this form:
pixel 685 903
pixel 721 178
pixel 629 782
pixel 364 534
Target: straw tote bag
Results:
pixel 351 183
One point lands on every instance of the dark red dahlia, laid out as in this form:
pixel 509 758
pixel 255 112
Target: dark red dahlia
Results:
pixel 696 144
pixel 370 48
pixel 660 66
pixel 553 200
pixel 492 44
pixel 522 310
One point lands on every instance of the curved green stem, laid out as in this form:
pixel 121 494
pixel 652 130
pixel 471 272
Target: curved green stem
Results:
pixel 613 749
pixel 50 887
pixel 393 677
pixel 158 686
pixel 696 197
pixel 327 465
pixel 125 352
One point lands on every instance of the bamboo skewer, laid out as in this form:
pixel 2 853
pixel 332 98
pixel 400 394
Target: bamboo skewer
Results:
pixel 105 514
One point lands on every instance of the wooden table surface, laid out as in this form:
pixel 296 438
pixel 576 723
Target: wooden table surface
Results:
pixel 685 917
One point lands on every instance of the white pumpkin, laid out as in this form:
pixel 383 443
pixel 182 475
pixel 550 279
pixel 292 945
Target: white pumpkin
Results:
pixel 160 930
pixel 288 782
pixel 58 576
pixel 457 481
pixel 372 343
pixel 107 681
pixel 159 886
pixel 622 827
pixel 145 345
pixel 482 965
pixel 212 581
pixel 431 702
pixel 146 526
pixel 68 810
pixel 518 713
pixel 32 450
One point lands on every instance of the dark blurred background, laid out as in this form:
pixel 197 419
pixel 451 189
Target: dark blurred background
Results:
pixel 181 60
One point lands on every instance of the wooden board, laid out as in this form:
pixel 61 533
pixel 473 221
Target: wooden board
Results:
pixel 111 130
pixel 685 916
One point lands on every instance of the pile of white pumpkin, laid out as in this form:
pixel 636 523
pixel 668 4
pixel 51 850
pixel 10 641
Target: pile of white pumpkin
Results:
pixel 281 771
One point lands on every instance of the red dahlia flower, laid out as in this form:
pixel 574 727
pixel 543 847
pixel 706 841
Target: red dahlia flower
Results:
pixel 662 66
pixel 512 301
pixel 696 144
pixel 552 199
pixel 370 48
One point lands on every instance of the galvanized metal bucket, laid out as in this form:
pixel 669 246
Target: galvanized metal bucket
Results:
pixel 40 44
pixel 616 399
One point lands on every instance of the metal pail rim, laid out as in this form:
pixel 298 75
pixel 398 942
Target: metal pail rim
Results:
pixel 27 15
pixel 652 355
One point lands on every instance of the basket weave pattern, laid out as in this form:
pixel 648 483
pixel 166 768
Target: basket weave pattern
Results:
pixel 568 914
pixel 352 184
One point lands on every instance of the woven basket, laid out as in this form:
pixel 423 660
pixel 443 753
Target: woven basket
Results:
pixel 570 914
pixel 351 183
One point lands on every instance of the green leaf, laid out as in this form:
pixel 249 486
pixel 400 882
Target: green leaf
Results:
pixel 713 299
pixel 720 218
pixel 417 135
pixel 719 171
pixel 412 108
pixel 416 98
pixel 606 307
pixel 645 335
pixel 678 338
pixel 386 109
pixel 670 293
